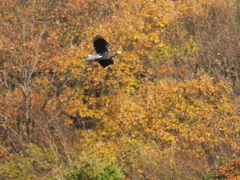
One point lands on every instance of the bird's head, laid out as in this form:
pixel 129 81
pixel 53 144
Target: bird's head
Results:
pixel 119 52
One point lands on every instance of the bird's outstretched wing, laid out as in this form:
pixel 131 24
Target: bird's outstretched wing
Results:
pixel 106 62
pixel 100 44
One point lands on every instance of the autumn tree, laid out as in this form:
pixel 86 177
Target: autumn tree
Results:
pixel 167 108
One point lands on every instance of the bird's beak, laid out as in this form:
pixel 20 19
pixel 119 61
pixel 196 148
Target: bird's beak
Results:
pixel 119 52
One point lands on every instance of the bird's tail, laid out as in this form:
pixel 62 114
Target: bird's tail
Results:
pixel 91 57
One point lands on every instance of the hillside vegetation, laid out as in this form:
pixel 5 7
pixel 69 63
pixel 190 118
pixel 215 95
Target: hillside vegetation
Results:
pixel 167 109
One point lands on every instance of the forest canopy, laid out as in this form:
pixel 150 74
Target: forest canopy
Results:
pixel 168 108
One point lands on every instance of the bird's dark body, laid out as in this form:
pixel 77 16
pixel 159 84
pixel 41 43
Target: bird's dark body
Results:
pixel 106 58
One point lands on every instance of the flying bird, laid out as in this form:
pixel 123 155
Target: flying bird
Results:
pixel 104 56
